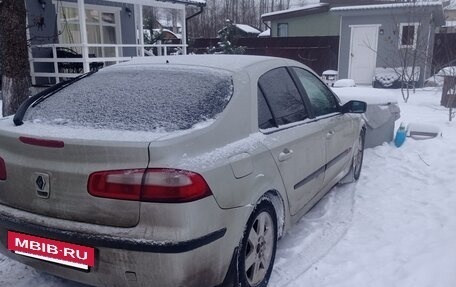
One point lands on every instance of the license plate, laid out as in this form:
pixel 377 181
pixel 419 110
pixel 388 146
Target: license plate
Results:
pixel 60 252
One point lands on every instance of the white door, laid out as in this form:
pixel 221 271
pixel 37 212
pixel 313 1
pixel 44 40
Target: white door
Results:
pixel 363 53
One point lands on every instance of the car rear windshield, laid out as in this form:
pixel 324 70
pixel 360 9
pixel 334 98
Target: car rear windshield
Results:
pixel 142 98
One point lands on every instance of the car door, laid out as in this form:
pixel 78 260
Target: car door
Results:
pixel 295 142
pixel 338 127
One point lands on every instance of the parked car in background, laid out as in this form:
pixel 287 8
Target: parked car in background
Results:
pixel 172 171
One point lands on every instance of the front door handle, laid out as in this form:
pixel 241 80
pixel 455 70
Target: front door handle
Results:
pixel 330 134
pixel 285 154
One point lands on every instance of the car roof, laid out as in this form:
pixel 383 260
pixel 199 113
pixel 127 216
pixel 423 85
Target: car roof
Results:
pixel 233 63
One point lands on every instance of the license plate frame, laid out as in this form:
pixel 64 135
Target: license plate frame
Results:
pixel 50 250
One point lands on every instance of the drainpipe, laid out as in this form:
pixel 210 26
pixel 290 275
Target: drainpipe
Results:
pixel 190 17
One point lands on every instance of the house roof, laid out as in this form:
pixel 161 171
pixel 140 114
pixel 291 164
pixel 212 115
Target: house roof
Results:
pixel 247 29
pixel 386 6
pixel 265 33
pixel 296 12
pixel 199 3
pixel 433 6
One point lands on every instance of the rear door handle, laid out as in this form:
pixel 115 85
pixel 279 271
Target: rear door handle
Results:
pixel 285 154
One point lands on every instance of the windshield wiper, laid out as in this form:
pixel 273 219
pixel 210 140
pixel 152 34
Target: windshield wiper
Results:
pixel 41 96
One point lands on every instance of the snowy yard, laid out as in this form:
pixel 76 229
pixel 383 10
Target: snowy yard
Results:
pixel 395 227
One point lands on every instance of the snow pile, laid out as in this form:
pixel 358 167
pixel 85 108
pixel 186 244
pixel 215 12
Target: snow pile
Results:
pixel 438 79
pixel 368 95
pixel 447 71
pixel 386 78
pixel 330 73
pixel 344 83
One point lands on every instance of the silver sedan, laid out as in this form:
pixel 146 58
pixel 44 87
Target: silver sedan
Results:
pixel 172 171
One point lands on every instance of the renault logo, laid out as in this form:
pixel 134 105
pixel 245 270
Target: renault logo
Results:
pixel 42 183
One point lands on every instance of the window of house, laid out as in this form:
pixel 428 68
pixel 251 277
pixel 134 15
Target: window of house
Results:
pixel 408 35
pixel 103 27
pixel 283 97
pixel 282 30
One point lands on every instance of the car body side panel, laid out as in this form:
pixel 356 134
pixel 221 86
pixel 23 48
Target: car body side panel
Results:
pixel 303 171
pixel 340 136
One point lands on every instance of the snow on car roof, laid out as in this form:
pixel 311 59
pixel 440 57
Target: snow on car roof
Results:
pixel 233 63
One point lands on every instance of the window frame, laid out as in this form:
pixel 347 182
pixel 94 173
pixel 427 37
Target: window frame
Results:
pixel 302 93
pixel 100 24
pixel 415 34
pixel 278 29
pixel 306 96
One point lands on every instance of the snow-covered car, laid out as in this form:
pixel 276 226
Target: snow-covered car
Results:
pixel 172 171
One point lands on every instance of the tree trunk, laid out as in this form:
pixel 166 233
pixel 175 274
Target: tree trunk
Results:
pixel 16 69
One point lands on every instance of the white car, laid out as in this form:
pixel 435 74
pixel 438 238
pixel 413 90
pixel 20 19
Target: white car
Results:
pixel 172 171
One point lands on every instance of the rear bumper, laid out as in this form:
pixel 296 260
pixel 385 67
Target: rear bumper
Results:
pixel 131 256
pixel 108 241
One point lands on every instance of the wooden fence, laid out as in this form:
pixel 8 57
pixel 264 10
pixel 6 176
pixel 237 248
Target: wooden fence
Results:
pixel 319 53
pixel 444 51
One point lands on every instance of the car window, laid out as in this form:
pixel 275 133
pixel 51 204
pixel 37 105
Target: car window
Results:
pixel 139 98
pixel 283 96
pixel 265 118
pixel 321 98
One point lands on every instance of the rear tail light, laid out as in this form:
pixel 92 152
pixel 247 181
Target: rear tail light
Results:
pixel 152 185
pixel 2 169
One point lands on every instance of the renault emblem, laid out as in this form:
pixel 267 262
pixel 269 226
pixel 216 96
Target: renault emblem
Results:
pixel 41 181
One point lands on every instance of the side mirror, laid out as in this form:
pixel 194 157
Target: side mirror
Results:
pixel 354 107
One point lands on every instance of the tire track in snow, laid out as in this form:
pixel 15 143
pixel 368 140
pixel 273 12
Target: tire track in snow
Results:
pixel 313 236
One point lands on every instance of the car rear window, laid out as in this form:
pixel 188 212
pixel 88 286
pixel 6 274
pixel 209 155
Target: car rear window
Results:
pixel 143 98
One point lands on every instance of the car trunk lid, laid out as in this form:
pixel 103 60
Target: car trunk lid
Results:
pixel 48 175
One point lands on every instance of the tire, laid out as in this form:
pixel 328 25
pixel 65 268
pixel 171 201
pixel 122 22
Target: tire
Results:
pixel 358 156
pixel 258 247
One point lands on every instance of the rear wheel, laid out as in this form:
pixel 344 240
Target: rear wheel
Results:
pixel 258 247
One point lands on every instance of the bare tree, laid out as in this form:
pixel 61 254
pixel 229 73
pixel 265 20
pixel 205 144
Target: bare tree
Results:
pixel 239 11
pixel 15 65
pixel 410 57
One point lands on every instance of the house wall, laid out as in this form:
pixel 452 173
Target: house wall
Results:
pixel 322 24
pixel 388 51
pixel 48 33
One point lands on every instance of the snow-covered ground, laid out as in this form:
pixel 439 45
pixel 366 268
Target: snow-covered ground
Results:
pixel 395 227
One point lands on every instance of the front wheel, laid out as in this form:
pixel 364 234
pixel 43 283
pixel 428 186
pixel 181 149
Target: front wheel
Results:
pixel 258 247
pixel 358 156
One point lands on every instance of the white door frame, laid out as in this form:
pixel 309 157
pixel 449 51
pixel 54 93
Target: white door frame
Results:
pixel 351 43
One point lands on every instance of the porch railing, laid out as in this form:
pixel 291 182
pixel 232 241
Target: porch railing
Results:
pixel 47 68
